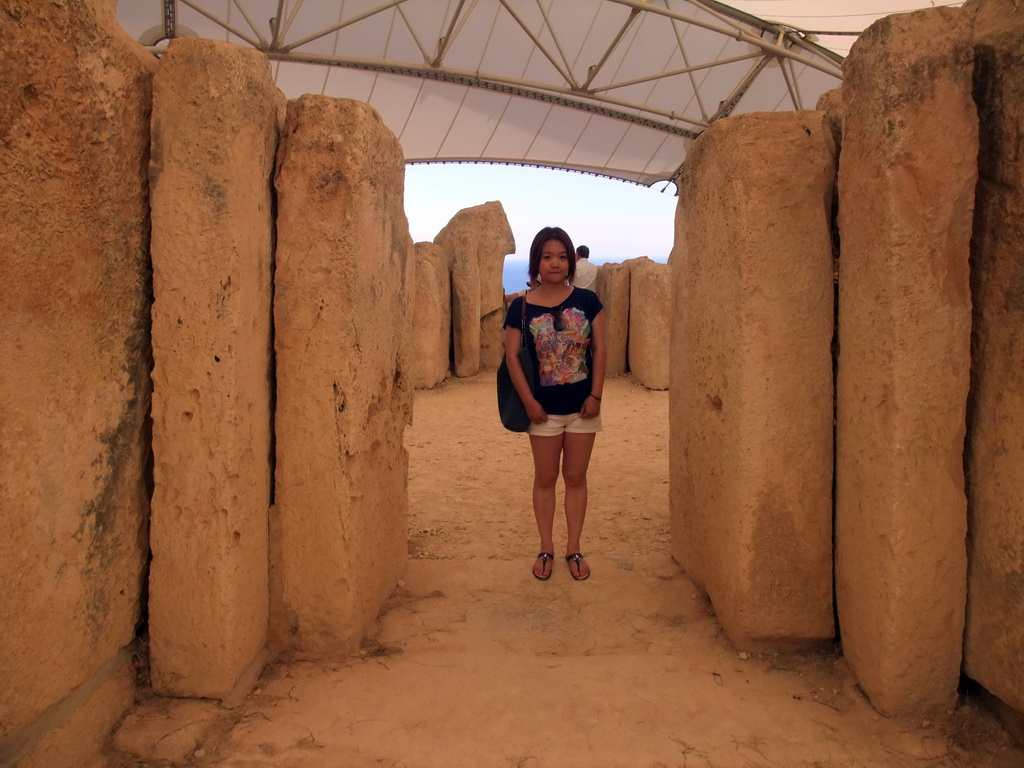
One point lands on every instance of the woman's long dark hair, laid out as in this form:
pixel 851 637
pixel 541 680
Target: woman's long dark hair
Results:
pixel 551 233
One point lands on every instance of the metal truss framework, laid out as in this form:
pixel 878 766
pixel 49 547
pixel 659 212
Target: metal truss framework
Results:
pixel 643 78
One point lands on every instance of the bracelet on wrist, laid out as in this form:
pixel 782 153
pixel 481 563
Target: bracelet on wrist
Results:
pixel 595 397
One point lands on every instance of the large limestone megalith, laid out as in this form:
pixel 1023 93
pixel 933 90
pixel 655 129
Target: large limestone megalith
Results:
pixel 906 191
pixel 613 289
pixel 994 646
pixel 342 340
pixel 650 310
pixel 74 388
pixel 432 316
pixel 214 137
pixel 477 240
pixel 750 401
pixel 831 103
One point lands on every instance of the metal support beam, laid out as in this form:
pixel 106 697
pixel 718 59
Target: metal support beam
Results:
pixel 342 25
pixel 566 75
pixel 592 72
pixel 619 109
pixel 170 20
pixel 746 37
pixel 221 23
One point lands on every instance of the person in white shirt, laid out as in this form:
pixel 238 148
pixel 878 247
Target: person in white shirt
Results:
pixel 510 297
pixel 586 273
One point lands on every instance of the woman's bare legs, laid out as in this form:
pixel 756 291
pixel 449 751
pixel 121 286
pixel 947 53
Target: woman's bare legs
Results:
pixel 547 451
pixel 576 451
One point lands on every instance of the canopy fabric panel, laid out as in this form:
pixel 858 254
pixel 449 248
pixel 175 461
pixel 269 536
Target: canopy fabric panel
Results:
pixel 617 88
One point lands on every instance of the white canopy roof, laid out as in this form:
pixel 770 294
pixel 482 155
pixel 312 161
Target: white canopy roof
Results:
pixel 618 88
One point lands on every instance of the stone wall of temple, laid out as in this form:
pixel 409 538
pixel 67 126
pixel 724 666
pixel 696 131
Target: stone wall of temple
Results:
pixel 906 189
pixel 994 641
pixel 292 550
pixel 215 127
pixel 750 400
pixel 613 289
pixel 476 241
pixel 432 313
pixel 343 286
pixel 920 262
pixel 650 302
pixel 75 390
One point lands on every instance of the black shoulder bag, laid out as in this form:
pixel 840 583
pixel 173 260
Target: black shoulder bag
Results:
pixel 510 405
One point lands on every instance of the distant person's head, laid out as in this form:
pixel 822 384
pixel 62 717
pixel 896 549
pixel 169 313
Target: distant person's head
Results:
pixel 559 240
pixel 583 252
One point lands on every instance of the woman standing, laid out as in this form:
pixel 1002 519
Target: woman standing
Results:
pixel 565 333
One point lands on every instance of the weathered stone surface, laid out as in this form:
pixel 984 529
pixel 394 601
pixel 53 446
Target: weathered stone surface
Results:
pixel 994 646
pixel 831 103
pixel 74 346
pixel 79 728
pixel 639 262
pixel 906 191
pixel 613 290
pixel 432 317
pixel 477 240
pixel 750 401
pixel 994 17
pixel 214 137
pixel 342 290
pixel 650 311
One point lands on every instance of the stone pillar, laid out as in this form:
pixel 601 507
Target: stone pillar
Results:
pixel 994 646
pixel 831 103
pixel 613 290
pixel 650 310
pixel 477 240
pixel 214 137
pixel 339 524
pixel 906 190
pixel 637 262
pixel 432 316
pixel 750 402
pixel 74 387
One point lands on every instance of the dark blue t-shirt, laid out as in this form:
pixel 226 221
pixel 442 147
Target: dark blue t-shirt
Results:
pixel 559 342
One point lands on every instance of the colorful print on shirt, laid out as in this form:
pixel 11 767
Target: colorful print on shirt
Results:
pixel 561 341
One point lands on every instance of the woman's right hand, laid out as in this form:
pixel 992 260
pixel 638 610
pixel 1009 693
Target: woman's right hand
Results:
pixel 536 412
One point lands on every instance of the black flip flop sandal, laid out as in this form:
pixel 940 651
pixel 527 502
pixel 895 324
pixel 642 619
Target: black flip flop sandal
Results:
pixel 576 557
pixel 544 557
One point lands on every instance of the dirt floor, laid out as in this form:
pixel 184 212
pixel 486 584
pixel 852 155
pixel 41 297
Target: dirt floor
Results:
pixel 474 663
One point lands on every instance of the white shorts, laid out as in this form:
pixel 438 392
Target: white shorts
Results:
pixel 558 424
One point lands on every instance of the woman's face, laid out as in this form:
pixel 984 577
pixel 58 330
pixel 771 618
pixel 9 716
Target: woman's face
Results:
pixel 554 262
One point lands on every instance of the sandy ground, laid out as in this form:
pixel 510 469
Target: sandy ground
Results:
pixel 475 663
pixel 470 492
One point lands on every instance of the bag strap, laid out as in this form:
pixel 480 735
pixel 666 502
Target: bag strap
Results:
pixel 522 324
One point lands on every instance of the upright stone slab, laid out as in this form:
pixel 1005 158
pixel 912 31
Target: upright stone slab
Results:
pixel 831 103
pixel 750 401
pixel 342 340
pixel 432 316
pixel 74 387
pixel 906 191
pixel 214 137
pixel 994 646
pixel 650 304
pixel 477 240
pixel 639 262
pixel 613 290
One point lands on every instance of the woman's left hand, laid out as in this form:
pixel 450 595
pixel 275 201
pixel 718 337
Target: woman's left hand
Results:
pixel 591 408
